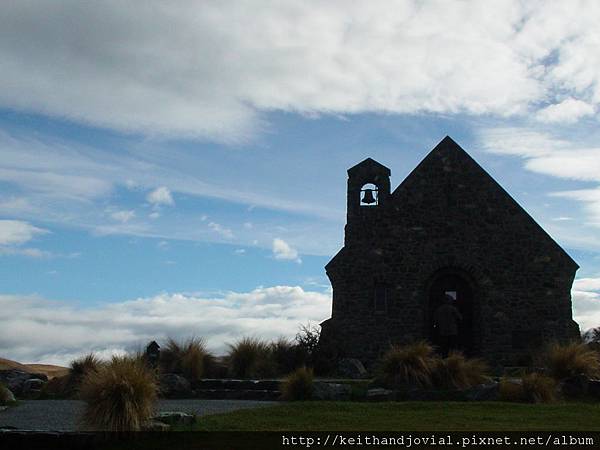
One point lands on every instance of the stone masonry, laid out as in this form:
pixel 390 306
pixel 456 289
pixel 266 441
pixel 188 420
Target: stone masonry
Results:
pixel 448 228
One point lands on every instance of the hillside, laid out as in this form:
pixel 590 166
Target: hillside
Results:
pixel 50 370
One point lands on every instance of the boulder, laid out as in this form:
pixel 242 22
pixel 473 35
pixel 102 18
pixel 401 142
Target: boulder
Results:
pixel 173 385
pixel 484 392
pixel 155 425
pixel 330 391
pixel 33 385
pixel 174 418
pixel 594 389
pixel 6 396
pixel 351 368
pixel 14 379
pixel 380 395
pixel 575 386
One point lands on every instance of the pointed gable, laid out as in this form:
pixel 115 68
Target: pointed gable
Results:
pixel 450 172
pixel 369 164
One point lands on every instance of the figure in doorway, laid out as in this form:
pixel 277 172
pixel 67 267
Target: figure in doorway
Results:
pixel 446 319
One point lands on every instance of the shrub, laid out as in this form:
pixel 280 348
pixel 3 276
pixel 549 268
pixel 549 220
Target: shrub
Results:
pixel 564 361
pixel 407 365
pixel 250 358
pixel 188 358
pixel 119 396
pixel 308 340
pixel 458 372
pixel 298 385
pixel 287 356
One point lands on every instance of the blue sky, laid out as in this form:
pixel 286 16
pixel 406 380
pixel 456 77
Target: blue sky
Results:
pixel 178 170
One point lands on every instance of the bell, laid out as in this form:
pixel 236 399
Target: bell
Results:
pixel 368 197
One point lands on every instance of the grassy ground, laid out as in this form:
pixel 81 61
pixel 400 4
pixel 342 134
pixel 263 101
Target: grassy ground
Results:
pixel 413 416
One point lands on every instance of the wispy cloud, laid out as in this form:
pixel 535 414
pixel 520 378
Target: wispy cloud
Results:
pixel 15 232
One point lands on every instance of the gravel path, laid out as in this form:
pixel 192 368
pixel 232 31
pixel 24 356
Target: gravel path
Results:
pixel 62 415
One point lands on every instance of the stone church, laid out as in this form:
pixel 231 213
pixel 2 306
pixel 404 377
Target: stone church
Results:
pixel 448 230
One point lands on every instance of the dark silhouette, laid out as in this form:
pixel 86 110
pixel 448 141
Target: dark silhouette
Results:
pixel 447 320
pixel 153 354
pixel 449 227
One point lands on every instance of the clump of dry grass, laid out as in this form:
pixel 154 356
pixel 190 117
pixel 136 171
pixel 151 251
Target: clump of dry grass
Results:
pixel 119 396
pixel 458 372
pixel 564 361
pixel 250 358
pixel 539 388
pixel 408 365
pixel 532 388
pixel 188 358
pixel 298 385
pixel 78 370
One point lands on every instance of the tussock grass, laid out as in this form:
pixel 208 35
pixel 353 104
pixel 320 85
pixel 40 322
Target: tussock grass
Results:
pixel 532 388
pixel 458 372
pixel 539 388
pixel 407 365
pixel 298 385
pixel 189 358
pixel 564 361
pixel 250 358
pixel 79 368
pixel 119 396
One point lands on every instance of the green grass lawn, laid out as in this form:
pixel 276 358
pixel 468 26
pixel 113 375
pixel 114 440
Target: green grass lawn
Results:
pixel 408 416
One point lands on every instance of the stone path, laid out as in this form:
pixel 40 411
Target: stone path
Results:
pixel 63 415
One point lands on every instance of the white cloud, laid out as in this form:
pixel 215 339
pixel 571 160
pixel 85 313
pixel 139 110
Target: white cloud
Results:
pixel 15 232
pixel 282 250
pixel 567 111
pixel 211 68
pixel 221 230
pixel 586 302
pixel 123 216
pixel 160 196
pixel 38 330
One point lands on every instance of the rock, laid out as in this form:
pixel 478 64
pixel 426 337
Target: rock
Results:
pixel 6 396
pixel 380 395
pixel 594 389
pixel 484 392
pixel 351 368
pixel 155 425
pixel 575 387
pixel 174 418
pixel 33 385
pixel 330 391
pixel 173 385
pixel 15 379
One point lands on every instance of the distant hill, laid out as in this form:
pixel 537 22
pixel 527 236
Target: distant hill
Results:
pixel 50 370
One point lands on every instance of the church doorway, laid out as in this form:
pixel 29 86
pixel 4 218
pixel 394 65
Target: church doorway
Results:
pixel 454 286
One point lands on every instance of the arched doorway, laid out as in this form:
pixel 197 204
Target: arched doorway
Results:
pixel 454 283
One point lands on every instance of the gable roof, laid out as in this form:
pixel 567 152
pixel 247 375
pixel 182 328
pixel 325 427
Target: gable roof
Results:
pixel 369 163
pixel 446 156
pixel 447 151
